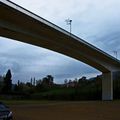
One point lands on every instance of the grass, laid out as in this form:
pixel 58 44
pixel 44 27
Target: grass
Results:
pixel 24 102
pixel 28 102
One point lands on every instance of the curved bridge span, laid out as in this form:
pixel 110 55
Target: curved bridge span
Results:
pixel 20 24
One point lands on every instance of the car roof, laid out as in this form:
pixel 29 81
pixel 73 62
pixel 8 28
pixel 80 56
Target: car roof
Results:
pixel 1 102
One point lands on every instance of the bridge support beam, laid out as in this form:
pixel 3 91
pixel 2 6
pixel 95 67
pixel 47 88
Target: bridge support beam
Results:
pixel 107 86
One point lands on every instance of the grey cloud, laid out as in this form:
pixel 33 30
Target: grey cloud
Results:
pixel 108 42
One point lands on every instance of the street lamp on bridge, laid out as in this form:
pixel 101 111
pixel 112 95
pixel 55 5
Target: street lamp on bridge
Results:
pixel 69 22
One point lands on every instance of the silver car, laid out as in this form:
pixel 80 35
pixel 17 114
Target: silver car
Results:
pixel 5 113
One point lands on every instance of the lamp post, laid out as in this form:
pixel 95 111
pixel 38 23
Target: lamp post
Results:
pixel 69 22
pixel 115 52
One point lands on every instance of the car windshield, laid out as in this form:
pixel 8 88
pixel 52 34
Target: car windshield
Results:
pixel 2 106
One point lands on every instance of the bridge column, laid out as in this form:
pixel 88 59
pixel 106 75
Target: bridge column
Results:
pixel 107 86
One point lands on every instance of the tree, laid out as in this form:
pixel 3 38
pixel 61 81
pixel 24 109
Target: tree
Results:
pixel 50 79
pixel 18 82
pixel 31 81
pixel 7 82
pixel 47 81
pixel 34 81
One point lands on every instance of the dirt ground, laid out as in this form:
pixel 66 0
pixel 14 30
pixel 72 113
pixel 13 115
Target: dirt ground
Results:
pixel 88 110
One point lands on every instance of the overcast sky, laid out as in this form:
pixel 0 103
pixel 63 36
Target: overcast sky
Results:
pixel 95 21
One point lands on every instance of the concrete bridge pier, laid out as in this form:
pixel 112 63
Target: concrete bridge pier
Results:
pixel 107 86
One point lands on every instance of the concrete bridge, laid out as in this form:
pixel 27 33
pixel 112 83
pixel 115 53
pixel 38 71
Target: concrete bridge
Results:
pixel 20 24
